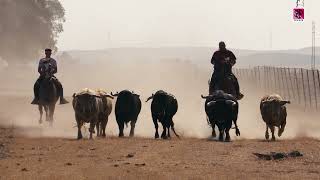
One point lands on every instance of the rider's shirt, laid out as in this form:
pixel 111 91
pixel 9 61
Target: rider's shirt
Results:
pixel 47 65
pixel 219 59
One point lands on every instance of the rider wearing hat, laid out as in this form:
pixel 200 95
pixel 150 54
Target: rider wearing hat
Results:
pixel 47 66
pixel 223 60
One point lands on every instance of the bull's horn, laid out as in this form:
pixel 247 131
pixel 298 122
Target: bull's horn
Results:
pixel 211 103
pixel 204 97
pixel 284 102
pixel 109 96
pixel 114 94
pixel 74 95
pixel 231 102
pixel 149 98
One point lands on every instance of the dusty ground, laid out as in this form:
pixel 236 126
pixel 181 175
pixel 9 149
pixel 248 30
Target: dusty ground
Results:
pixel 140 158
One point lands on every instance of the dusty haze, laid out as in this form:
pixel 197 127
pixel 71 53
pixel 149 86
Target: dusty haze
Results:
pixel 183 79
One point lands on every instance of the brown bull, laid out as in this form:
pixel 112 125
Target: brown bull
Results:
pixel 274 114
pixel 105 112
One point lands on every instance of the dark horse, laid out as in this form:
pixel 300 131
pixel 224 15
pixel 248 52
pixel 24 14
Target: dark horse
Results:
pixel 48 97
pixel 224 81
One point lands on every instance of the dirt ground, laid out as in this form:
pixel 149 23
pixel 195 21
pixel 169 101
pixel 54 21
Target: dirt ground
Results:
pixel 142 158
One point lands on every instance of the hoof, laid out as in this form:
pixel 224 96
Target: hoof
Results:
pixel 156 136
pixel 273 139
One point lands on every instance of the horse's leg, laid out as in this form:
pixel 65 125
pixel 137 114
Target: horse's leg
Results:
pixel 46 109
pixel 41 113
pixel 52 108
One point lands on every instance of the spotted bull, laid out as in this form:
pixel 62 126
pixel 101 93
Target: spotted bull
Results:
pixel 163 107
pixel 127 109
pixel 274 114
pixel 87 106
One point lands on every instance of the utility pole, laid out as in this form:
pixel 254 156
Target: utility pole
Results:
pixel 313 48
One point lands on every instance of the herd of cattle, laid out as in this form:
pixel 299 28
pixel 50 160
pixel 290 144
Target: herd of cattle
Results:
pixel 94 107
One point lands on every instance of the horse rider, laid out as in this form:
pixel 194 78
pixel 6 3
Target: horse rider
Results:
pixel 47 66
pixel 223 61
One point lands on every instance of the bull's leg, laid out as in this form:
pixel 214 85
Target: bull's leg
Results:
pixel 156 126
pixel 133 125
pixel 121 126
pixel 164 132
pixel 169 136
pixel 98 128
pixel 79 124
pixel 227 135
pixel 272 132
pixel 41 113
pixel 104 125
pixel 92 126
pixel 221 132
pixel 267 133
pixel 213 130
pixel 283 125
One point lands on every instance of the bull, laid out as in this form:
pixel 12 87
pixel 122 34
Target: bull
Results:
pixel 127 109
pixel 87 106
pixel 222 109
pixel 163 107
pixel 104 113
pixel 274 114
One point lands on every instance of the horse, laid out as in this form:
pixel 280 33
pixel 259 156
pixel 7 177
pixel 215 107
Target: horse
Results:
pixel 48 97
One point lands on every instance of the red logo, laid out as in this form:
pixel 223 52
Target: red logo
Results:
pixel 298 14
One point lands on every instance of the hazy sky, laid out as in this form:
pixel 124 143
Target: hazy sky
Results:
pixel 100 24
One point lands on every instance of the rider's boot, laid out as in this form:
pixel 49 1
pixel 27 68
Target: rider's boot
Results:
pixel 36 94
pixel 62 99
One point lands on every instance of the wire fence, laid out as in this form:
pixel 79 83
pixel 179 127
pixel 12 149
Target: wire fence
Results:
pixel 300 86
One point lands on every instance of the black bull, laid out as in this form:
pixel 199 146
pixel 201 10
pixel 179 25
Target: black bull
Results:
pixel 127 109
pixel 163 107
pixel 222 110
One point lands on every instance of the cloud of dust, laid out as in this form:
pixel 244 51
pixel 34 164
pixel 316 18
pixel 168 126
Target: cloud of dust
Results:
pixel 183 79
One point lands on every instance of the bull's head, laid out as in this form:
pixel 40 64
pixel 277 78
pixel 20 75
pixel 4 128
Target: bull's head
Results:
pixel 273 107
pixel 84 103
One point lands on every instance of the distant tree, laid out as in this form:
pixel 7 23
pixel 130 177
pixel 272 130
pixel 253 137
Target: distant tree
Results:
pixel 29 26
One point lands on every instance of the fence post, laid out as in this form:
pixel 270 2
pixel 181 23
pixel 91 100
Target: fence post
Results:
pixel 309 89
pixel 287 83
pixel 297 84
pixel 315 88
pixel 279 81
pixel 304 92
pixel 283 84
pixel 291 85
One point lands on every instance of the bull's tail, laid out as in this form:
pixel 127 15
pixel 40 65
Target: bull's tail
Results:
pixel 174 131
